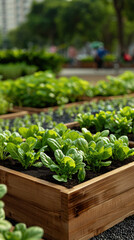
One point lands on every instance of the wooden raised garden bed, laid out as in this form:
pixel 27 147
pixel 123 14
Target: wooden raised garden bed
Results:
pixel 32 110
pixel 70 214
pixel 82 64
pixel 98 98
pixel 83 99
pixel 13 114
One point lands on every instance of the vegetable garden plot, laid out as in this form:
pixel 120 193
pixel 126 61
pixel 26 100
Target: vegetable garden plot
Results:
pixel 118 123
pixel 43 89
pixel 86 101
pixel 78 213
pixel 65 114
pixel 82 211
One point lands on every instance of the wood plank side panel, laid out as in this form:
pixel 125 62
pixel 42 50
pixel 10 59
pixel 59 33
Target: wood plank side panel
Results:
pixel 101 189
pixel 33 203
pixel 65 213
pixel 13 115
pixel 64 216
pixel 103 202
pixel 101 217
pixel 72 125
pixel 131 144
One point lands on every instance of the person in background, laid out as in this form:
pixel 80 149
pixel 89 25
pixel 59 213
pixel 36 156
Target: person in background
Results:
pixel 101 52
pixel 72 53
pixel 53 49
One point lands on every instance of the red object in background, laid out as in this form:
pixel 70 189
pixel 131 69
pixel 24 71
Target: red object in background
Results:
pixel 127 57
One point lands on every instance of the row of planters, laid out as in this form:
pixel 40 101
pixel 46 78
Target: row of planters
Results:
pixel 66 114
pixel 70 210
pixel 119 123
pixel 67 156
pixel 41 59
pixel 108 62
pixel 43 89
pixel 89 62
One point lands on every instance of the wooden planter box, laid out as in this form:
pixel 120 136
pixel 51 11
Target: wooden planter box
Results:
pixel 78 213
pixel 82 100
pixel 104 98
pixel 14 114
pixel 31 110
pixel 82 64
pixel 108 64
pixel 126 65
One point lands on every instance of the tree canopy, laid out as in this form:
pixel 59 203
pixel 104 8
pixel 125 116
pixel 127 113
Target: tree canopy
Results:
pixel 76 22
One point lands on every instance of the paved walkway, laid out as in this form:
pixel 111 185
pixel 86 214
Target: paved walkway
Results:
pixel 92 71
pixel 92 75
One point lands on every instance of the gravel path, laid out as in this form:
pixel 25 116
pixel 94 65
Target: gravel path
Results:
pixel 121 231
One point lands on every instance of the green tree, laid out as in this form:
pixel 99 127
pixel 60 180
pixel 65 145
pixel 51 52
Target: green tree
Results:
pixel 76 22
pixel 1 39
pixel 124 15
pixel 20 37
pixel 62 21
pixel 81 21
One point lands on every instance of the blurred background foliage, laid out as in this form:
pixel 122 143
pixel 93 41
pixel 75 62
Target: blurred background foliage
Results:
pixel 62 22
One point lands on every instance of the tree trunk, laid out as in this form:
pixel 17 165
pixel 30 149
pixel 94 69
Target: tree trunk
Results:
pixel 119 5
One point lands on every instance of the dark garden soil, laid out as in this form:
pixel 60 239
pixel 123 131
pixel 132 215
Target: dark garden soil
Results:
pixel 45 174
pixel 131 137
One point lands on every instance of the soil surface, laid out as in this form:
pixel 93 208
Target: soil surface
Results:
pixel 131 137
pixel 45 174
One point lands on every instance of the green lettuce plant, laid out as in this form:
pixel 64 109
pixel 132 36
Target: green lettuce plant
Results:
pixel 119 123
pixel 64 151
pixel 65 165
pixel 5 105
pixel 120 148
pixel 24 152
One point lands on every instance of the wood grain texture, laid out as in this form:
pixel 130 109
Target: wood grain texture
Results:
pixel 72 125
pixel 33 201
pixel 101 203
pixel 131 144
pixel 13 115
pixel 70 214
pixel 101 217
